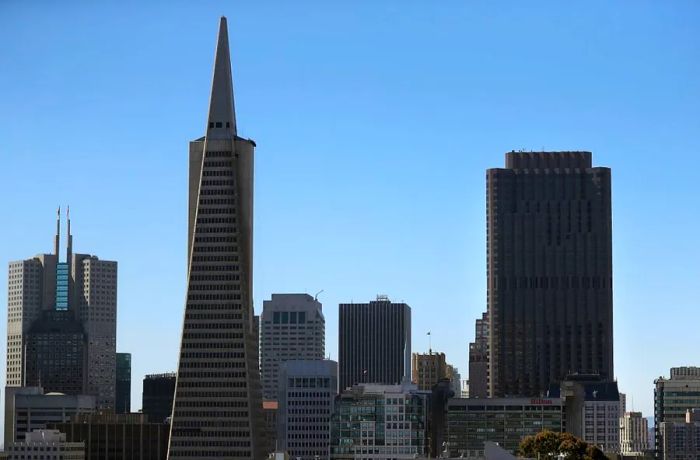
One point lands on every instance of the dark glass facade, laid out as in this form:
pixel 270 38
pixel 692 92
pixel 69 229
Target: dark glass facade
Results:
pixel 158 392
pixel 56 353
pixel 117 437
pixel 549 264
pixel 374 343
pixel 123 396
pixel 471 422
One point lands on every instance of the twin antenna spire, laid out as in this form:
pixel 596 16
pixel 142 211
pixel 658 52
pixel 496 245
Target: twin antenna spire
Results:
pixel 57 240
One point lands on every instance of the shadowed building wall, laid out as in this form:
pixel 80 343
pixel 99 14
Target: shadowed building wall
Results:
pixel 549 253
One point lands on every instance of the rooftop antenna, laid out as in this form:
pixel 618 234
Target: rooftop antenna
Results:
pixel 316 296
pixel 57 238
pixel 69 248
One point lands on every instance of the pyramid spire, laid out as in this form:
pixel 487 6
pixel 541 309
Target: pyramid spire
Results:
pixel 222 115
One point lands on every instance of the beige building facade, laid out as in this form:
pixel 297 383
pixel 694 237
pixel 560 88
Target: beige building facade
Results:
pixel 428 368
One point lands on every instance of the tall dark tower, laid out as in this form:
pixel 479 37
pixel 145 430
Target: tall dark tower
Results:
pixel 217 410
pixel 374 343
pixel 549 252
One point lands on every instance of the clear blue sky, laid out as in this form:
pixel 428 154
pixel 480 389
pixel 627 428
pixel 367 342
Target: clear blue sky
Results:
pixel 375 123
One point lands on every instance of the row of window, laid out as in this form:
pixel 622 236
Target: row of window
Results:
pixel 210 423
pixel 212 345
pixel 210 414
pixel 220 296
pixel 210 453
pixel 213 316
pixel 215 239
pixel 211 335
pixel 197 384
pixel 190 325
pixel 209 306
pixel 218 183
pixel 211 192
pixel 213 268
pixel 216 287
pixel 212 365
pixel 215 258
pixel 225 172
pixel 224 354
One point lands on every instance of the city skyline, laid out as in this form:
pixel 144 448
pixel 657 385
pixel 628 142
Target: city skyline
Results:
pixel 455 267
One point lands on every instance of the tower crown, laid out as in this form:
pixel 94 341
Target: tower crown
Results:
pixel 221 123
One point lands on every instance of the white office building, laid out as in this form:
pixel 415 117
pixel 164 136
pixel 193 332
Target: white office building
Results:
pixel 307 391
pixel 292 327
pixel 45 445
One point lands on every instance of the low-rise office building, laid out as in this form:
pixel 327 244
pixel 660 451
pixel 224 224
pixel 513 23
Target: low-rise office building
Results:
pixel 28 409
pixel 681 440
pixel 307 392
pixel 592 407
pixel 45 445
pixel 672 399
pixel 374 421
pixel 472 422
pixel 634 432
pixel 118 436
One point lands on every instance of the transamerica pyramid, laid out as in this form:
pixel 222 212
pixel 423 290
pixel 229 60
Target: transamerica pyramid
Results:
pixel 217 410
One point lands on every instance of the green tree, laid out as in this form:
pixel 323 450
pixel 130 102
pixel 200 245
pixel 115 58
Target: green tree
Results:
pixel 547 445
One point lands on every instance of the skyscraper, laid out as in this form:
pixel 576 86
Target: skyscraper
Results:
pixel 217 410
pixel 549 264
pixel 292 327
pixel 374 343
pixel 61 323
pixel 123 399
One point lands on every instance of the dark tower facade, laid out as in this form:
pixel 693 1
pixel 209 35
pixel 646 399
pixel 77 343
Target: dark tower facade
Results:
pixel 549 257
pixel 158 392
pixel 374 343
pixel 217 410
pixel 123 394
